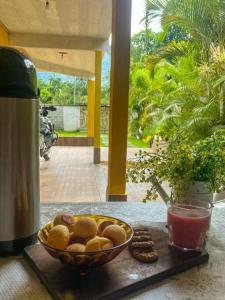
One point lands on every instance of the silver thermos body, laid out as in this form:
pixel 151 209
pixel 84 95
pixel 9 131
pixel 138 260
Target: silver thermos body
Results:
pixel 19 152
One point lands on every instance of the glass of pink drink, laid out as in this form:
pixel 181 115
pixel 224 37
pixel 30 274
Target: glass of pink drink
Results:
pixel 187 226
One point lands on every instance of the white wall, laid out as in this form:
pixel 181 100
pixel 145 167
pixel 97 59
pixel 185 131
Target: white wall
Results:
pixel 71 118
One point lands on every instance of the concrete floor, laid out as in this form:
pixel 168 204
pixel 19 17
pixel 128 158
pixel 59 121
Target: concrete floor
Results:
pixel 71 176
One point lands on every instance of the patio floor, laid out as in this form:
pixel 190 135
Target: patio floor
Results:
pixel 70 176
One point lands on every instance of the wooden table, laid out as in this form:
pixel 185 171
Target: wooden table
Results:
pixel 19 282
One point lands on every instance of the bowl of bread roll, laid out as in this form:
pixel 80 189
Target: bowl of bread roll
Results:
pixel 85 241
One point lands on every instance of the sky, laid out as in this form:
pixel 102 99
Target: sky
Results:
pixel 137 15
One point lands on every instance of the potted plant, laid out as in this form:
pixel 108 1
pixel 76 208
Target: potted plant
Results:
pixel 194 172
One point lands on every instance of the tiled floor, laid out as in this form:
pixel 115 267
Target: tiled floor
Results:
pixel 71 176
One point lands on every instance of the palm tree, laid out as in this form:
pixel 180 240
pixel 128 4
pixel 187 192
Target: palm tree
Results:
pixel 204 20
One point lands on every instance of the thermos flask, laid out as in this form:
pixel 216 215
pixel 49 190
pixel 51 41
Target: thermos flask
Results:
pixel 19 152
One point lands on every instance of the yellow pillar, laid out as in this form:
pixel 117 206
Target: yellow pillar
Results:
pixel 91 107
pixel 119 94
pixel 4 36
pixel 97 111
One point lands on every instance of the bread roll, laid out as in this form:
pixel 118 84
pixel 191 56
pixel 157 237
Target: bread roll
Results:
pixel 74 239
pixel 76 247
pixel 58 237
pixel 105 243
pixel 115 233
pixel 102 225
pixel 98 243
pixel 93 245
pixel 64 219
pixel 85 227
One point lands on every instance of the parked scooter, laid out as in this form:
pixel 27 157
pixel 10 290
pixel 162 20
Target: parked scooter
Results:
pixel 48 136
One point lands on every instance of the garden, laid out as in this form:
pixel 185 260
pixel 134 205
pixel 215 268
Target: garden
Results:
pixel 177 94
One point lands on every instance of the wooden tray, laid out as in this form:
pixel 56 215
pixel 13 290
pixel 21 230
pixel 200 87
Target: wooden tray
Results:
pixel 119 277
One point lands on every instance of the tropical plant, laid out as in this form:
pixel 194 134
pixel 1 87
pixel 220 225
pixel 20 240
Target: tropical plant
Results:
pixel 143 44
pixel 140 82
pixel 204 20
pixel 62 92
pixel 181 164
pixel 69 92
pixel 186 90
pixel 193 106
pixel 183 100
pixel 166 103
pixel 175 33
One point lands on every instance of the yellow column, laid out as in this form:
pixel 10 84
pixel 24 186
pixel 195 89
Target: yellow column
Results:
pixel 91 107
pixel 4 36
pixel 119 94
pixel 97 111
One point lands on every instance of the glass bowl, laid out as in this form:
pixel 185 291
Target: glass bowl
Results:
pixel 85 260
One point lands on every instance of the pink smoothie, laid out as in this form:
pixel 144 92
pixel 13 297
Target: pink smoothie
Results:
pixel 187 226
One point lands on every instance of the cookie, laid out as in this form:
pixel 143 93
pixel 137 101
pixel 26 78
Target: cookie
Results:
pixel 141 238
pixel 140 229
pixel 142 232
pixel 146 257
pixel 148 245
pixel 142 246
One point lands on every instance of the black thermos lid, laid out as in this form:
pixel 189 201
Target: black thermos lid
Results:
pixel 18 78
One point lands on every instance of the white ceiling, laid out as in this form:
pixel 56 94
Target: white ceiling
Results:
pixel 78 27
pixel 81 61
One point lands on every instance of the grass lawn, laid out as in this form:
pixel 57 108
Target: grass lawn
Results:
pixel 132 142
pixel 71 133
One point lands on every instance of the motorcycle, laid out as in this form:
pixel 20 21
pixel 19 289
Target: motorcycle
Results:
pixel 48 136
